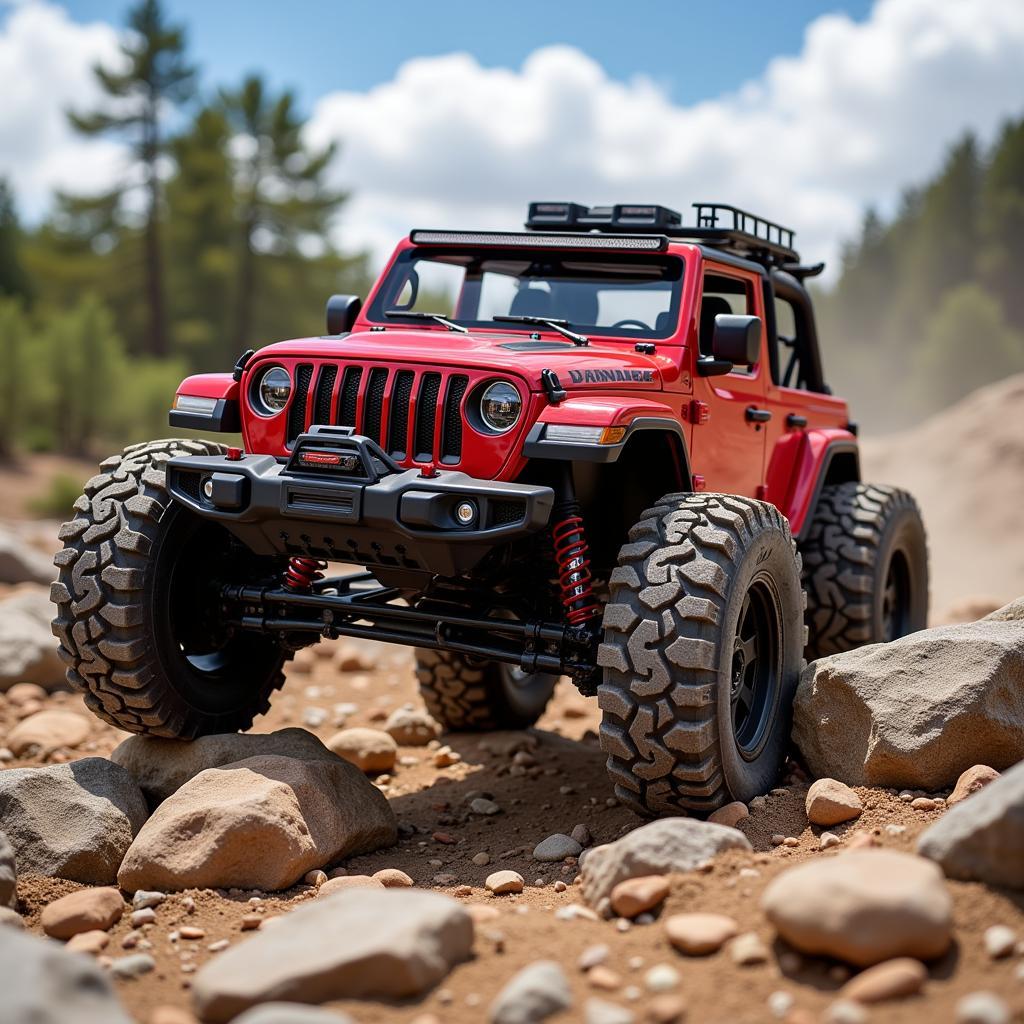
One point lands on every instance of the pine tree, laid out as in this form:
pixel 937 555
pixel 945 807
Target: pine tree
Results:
pixel 156 78
pixel 201 240
pixel 282 196
pixel 13 276
pixel 1002 223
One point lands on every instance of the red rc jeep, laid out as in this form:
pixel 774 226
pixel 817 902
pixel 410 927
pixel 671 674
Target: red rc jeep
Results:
pixel 582 449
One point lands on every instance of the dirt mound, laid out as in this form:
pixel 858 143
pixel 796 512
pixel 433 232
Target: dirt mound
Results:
pixel 965 466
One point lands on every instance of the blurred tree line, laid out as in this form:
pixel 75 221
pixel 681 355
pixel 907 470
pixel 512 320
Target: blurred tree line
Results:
pixel 215 239
pixel 930 305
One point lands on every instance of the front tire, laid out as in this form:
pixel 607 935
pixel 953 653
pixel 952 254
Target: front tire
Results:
pixel 865 564
pixel 138 608
pixel 472 697
pixel 703 646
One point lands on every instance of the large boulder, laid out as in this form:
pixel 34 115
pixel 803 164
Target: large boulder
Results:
pixel 49 730
pixel 982 838
pixel 72 820
pixel 21 563
pixel 360 944
pixel 8 874
pixel 28 650
pixel 261 823
pixel 917 712
pixel 672 844
pixel 1012 612
pixel 163 766
pixel 42 983
pixel 864 907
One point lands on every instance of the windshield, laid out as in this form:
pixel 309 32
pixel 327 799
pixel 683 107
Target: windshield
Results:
pixel 628 296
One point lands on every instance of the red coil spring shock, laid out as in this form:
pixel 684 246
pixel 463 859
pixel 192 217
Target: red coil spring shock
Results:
pixel 303 572
pixel 572 556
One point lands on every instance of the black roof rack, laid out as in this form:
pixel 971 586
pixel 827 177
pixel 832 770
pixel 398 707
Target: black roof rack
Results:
pixel 718 224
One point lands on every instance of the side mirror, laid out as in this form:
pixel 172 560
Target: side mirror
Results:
pixel 342 311
pixel 736 342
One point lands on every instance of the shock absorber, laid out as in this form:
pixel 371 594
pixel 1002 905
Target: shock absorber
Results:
pixel 572 558
pixel 303 572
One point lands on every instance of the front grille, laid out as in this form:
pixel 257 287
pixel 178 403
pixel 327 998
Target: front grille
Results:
pixel 297 413
pixel 399 410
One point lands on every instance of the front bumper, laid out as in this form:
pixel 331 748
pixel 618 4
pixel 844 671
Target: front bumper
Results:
pixel 340 497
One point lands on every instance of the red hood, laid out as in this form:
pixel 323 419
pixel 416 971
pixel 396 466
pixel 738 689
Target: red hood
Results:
pixel 598 365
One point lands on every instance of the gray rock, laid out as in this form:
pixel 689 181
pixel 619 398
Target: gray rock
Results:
pixel 161 767
pixel 8 874
pixel 534 994
pixel 599 1011
pixel 133 966
pixel 982 1008
pixel 671 844
pixel 10 918
pixel 358 943
pixel 21 563
pixel 72 820
pixel 28 649
pixel 982 838
pixel 411 727
pixel 291 1013
pixel 42 983
pixel 555 848
pixel 261 823
pixel 1012 612
pixel 917 712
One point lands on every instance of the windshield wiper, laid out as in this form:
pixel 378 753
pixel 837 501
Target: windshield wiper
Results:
pixel 436 317
pixel 562 326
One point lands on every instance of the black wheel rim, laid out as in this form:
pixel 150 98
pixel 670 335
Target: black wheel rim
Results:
pixel 896 598
pixel 756 667
pixel 194 559
pixel 526 691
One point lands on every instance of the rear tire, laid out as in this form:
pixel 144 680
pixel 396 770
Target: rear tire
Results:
pixel 865 562
pixel 467 697
pixel 137 606
pixel 703 646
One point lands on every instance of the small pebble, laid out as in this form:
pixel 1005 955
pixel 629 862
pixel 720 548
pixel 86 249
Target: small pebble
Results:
pixel 779 1004
pixel 218 946
pixel 747 950
pixel 133 966
pixel 592 956
pixel 999 941
pixel 147 915
pixel 144 898
pixel 846 1011
pixel 481 859
pixel 661 978
pixel 251 922
pixel 189 931
pixel 982 1008
pixel 828 840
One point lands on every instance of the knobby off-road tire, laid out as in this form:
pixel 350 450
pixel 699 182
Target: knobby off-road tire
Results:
pixel 136 627
pixel 703 646
pixel 467 697
pixel 865 565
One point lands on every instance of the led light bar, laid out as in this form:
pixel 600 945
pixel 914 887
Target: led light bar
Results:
pixel 540 239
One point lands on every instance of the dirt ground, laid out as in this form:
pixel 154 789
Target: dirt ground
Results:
pixel 567 786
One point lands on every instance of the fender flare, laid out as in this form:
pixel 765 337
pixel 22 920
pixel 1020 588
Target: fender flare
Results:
pixel 637 417
pixel 817 454
pixel 224 416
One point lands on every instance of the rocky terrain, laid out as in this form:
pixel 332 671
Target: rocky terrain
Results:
pixel 346 855
pixel 346 862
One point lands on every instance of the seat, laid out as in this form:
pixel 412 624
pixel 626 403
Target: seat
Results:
pixel 531 302
pixel 710 307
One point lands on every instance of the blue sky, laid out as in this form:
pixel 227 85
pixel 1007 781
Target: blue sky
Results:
pixel 458 113
pixel 694 50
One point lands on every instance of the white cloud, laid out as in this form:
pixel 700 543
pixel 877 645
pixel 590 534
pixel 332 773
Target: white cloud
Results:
pixel 46 67
pixel 864 110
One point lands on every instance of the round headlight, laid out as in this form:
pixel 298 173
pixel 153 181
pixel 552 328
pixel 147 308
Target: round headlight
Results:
pixel 500 406
pixel 275 387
